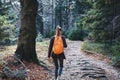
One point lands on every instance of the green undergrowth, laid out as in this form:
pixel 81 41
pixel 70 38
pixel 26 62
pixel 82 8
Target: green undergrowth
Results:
pixel 107 49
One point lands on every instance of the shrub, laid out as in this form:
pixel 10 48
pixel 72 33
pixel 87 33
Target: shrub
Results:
pixel 8 32
pixel 52 33
pixel 77 34
pixel 3 28
pixel 116 54
pixel 39 38
pixel 49 34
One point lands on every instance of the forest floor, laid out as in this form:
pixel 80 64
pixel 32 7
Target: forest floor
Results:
pixel 79 65
pixel 36 72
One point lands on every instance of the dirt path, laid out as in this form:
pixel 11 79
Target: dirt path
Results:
pixel 82 67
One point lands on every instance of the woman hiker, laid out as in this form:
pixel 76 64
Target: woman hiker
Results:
pixel 56 51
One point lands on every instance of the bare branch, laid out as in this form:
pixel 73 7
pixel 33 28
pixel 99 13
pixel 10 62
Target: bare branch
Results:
pixel 19 61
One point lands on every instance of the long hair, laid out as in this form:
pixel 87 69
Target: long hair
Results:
pixel 58 30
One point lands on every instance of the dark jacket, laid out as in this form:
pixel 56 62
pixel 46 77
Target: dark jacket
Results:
pixel 50 52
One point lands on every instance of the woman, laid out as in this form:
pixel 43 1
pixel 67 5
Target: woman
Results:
pixel 58 57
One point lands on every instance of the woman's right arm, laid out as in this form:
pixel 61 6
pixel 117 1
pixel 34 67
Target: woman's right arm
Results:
pixel 50 47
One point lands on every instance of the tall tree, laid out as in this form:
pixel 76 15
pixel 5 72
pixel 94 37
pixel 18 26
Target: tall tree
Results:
pixel 39 23
pixel 26 41
pixel 58 12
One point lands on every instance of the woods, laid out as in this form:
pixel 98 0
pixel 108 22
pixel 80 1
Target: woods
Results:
pixel 94 22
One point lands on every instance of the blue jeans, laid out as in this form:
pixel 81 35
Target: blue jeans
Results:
pixel 58 62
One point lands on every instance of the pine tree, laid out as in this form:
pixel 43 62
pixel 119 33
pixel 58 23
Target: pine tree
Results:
pixel 97 19
pixel 3 20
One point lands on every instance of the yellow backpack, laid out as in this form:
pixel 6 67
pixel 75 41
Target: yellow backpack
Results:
pixel 58 47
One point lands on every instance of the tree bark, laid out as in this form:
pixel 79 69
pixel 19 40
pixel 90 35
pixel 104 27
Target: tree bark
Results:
pixel 26 48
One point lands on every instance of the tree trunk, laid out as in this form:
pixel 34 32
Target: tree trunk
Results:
pixel 26 48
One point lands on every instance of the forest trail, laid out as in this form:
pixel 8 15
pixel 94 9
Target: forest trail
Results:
pixel 79 66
